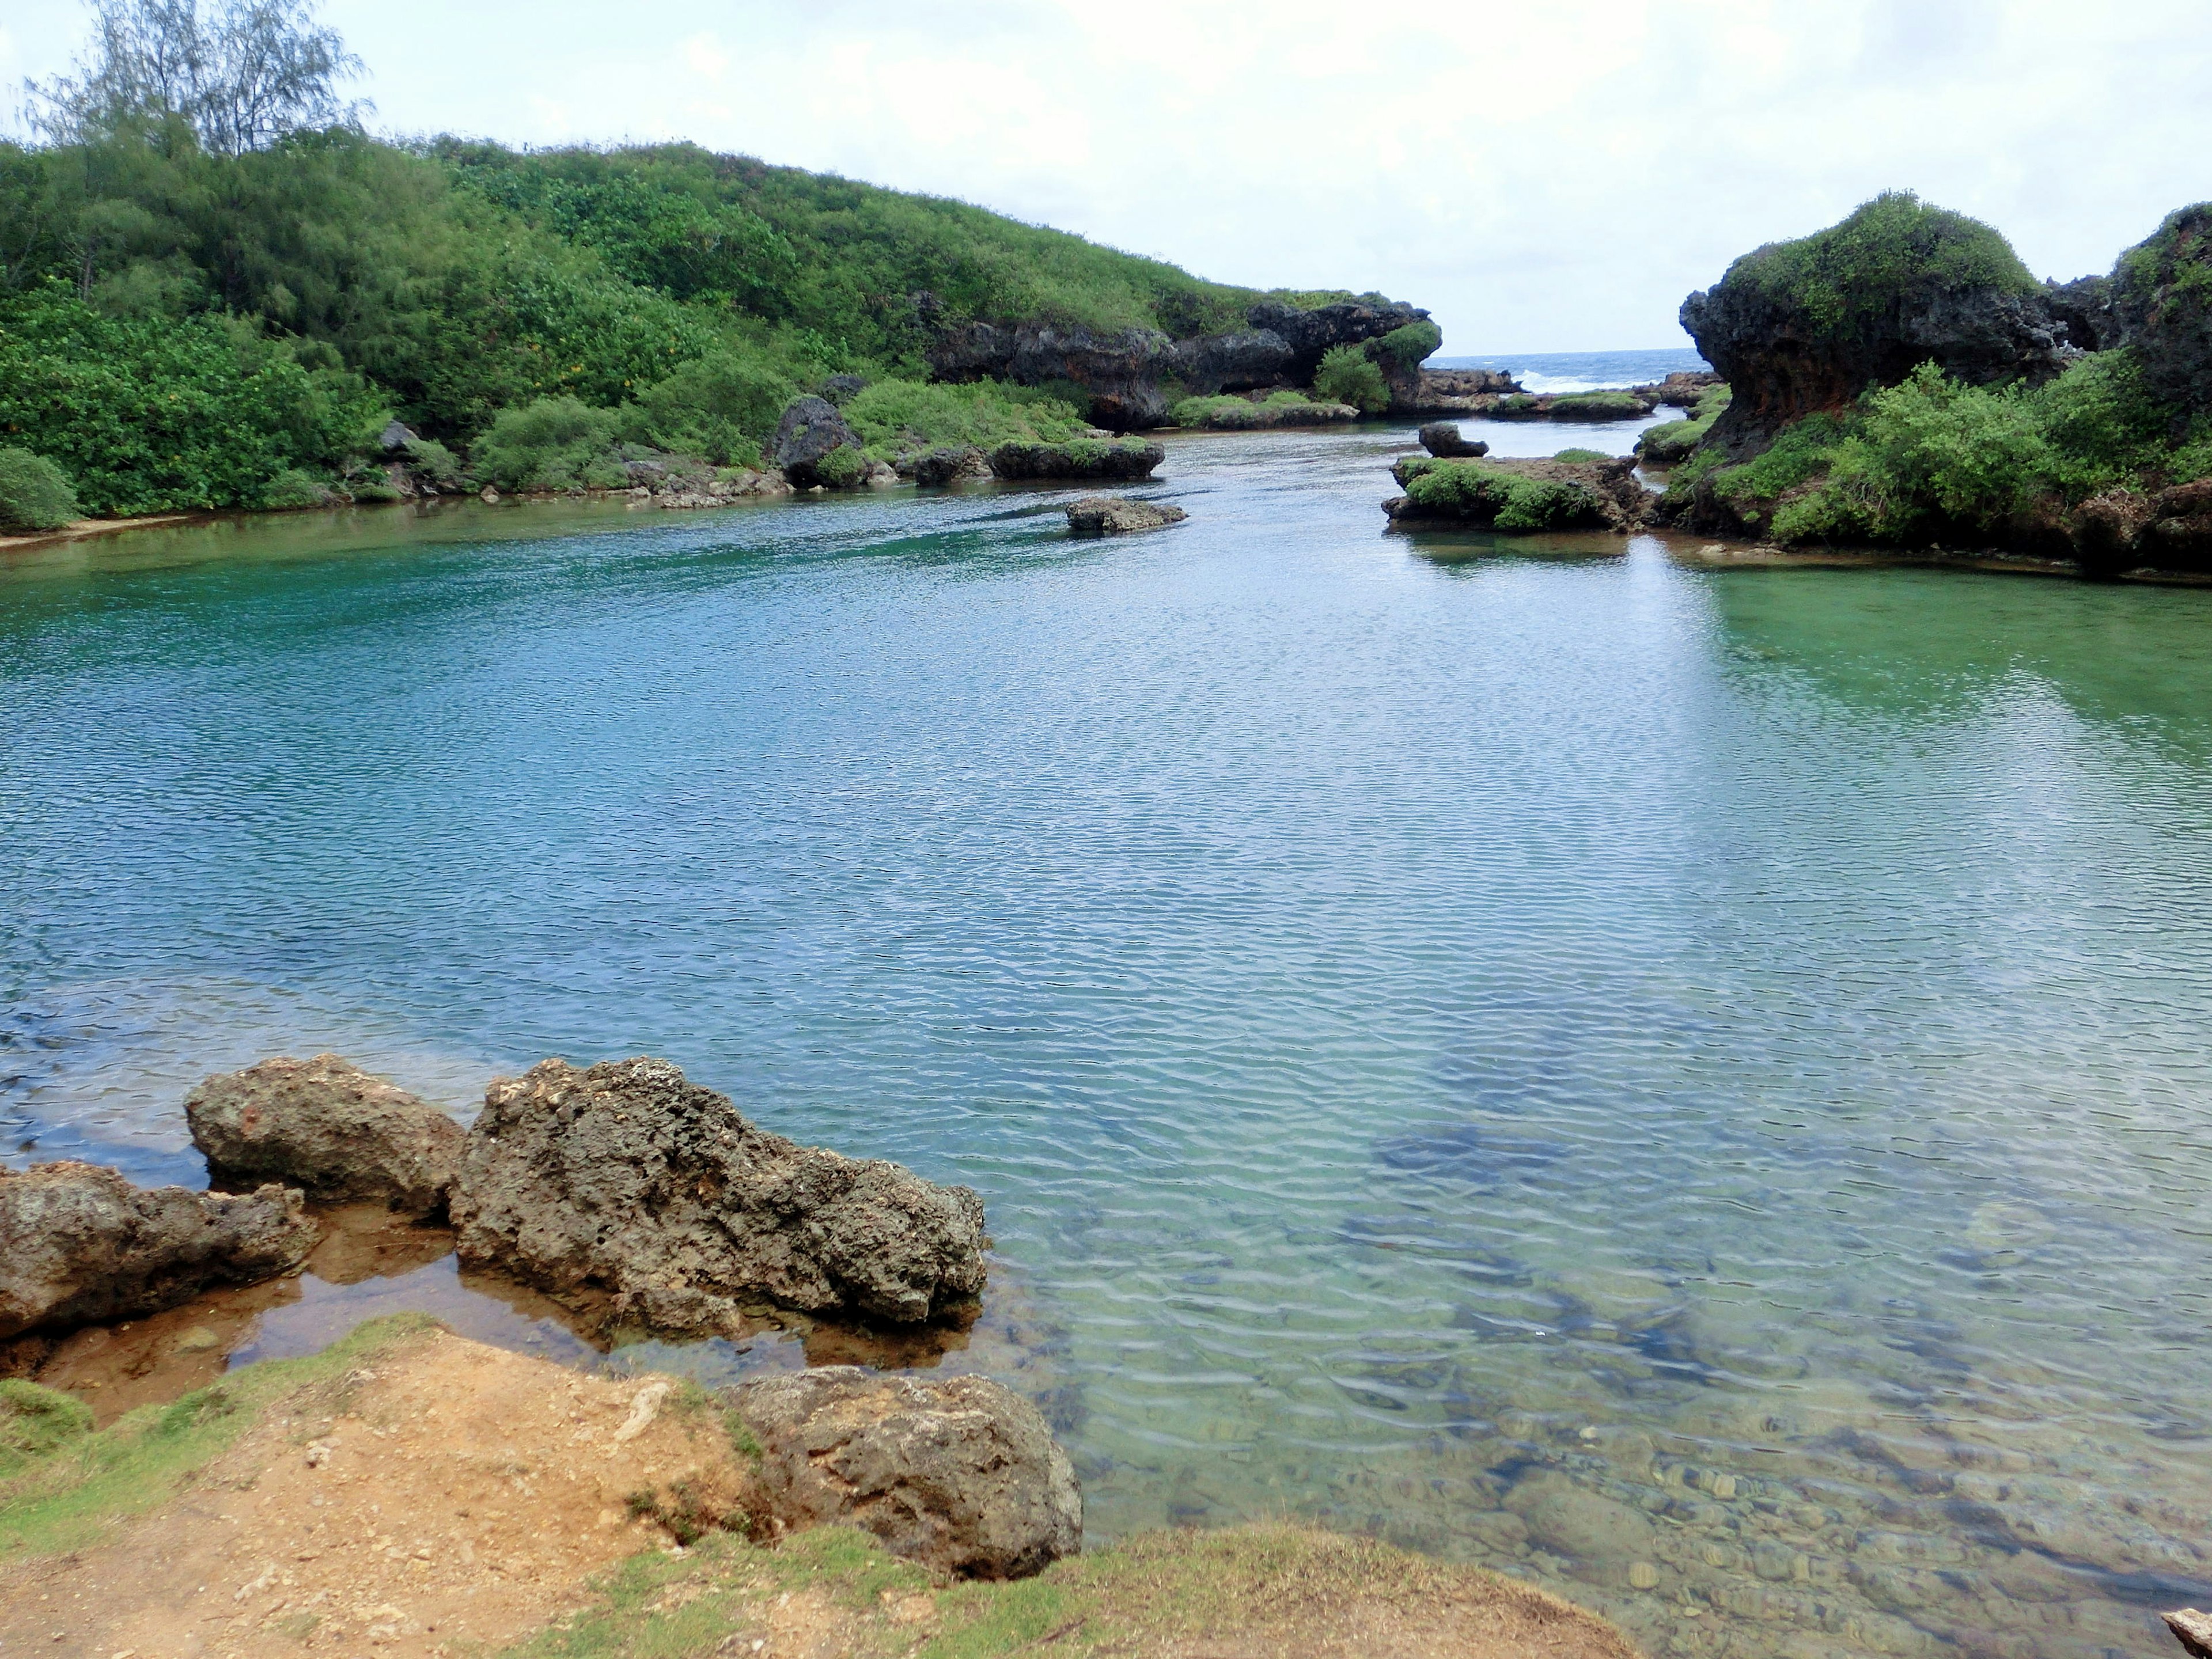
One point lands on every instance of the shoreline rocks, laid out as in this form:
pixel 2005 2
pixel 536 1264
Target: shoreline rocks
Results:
pixel 623 1186
pixel 1444 440
pixel 81 1245
pixel 1115 515
pixel 960 1474
pixel 329 1128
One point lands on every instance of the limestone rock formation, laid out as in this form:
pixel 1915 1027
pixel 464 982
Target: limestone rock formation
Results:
pixel 809 430
pixel 961 1474
pixel 80 1245
pixel 2161 302
pixel 1521 496
pixel 1445 440
pixel 329 1128
pixel 1113 515
pixel 1085 460
pixel 623 1181
pixel 1309 333
pixel 949 464
pixel 2192 1630
pixel 1799 327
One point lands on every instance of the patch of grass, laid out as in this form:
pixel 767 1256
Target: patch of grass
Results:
pixel 1229 412
pixel 1671 444
pixel 895 416
pixel 35 1422
pixel 1595 406
pixel 1582 455
pixel 70 1496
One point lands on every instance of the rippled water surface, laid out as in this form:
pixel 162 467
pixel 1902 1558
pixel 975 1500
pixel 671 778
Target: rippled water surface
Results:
pixel 1688 1085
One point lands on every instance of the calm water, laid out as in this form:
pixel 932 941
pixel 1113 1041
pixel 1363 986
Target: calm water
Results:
pixel 1689 1085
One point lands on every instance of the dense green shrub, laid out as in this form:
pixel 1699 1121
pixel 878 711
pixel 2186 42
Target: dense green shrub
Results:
pixel 155 413
pixel 1348 375
pixel 1408 347
pixel 841 468
pixel 294 487
pixel 34 493
pixel 554 443
pixel 721 406
pixel 437 463
pixel 1890 247
pixel 893 416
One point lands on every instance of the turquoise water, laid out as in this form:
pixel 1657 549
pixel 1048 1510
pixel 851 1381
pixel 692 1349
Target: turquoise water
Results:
pixel 1690 1085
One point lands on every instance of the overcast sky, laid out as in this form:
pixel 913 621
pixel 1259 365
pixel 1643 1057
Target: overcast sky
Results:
pixel 1553 175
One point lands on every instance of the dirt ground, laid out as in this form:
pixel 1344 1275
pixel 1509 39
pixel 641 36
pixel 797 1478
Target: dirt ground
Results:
pixel 452 1494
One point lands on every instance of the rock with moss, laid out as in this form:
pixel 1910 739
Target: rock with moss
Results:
pixel 1673 443
pixel 1520 497
pixel 81 1245
pixel 1117 515
pixel 329 1128
pixel 814 446
pixel 1255 412
pixel 1799 327
pixel 960 1474
pixel 630 1191
pixel 2162 302
pixel 1080 460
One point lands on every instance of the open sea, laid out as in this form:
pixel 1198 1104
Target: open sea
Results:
pixel 1689 1085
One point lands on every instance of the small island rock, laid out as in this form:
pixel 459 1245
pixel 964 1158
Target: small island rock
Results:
pixel 625 1179
pixel 328 1128
pixel 1112 515
pixel 961 1474
pixel 1444 440
pixel 80 1245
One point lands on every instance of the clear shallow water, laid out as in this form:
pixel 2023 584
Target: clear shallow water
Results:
pixel 1620 1072
pixel 1584 371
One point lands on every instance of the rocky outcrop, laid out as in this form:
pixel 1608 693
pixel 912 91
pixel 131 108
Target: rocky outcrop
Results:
pixel 80 1245
pixel 329 1128
pixel 1444 439
pixel 950 464
pixel 1454 392
pixel 1115 515
pixel 961 1475
pixel 1122 371
pixel 625 1189
pixel 2161 303
pixel 1083 460
pixel 1521 496
pixel 2193 1629
pixel 810 431
pixel 1800 327
pixel 1681 390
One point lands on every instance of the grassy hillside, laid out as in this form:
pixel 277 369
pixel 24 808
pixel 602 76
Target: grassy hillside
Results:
pixel 184 328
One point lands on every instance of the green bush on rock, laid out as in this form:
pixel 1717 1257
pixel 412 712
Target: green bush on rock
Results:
pixel 34 493
pixel 1348 375
pixel 1582 455
pixel 554 443
pixel 1408 347
pixel 1488 493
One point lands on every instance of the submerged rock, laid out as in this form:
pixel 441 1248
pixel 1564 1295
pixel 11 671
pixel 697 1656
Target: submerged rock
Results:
pixel 1444 439
pixel 329 1128
pixel 1112 515
pixel 625 1181
pixel 961 1475
pixel 80 1245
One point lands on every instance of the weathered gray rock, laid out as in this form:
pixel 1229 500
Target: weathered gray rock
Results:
pixel 80 1245
pixel 625 1181
pixel 950 464
pixel 1114 515
pixel 1311 332
pixel 810 428
pixel 329 1128
pixel 1086 459
pixel 2162 302
pixel 2192 1630
pixel 1444 440
pixel 961 1474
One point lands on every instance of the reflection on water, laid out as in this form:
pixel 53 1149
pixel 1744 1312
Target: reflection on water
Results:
pixel 1687 1084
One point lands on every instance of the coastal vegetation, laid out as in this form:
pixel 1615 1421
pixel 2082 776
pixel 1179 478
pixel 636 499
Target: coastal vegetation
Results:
pixel 1349 374
pixel 1228 412
pixel 34 493
pixel 1490 493
pixel 218 292
pixel 1673 440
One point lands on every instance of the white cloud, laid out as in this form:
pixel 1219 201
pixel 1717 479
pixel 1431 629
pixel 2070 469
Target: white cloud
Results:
pixel 1542 176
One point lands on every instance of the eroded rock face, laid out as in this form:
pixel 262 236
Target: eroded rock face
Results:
pixel 810 429
pixel 953 464
pixel 329 1128
pixel 1444 440
pixel 1115 515
pixel 80 1245
pixel 959 1474
pixel 2162 302
pixel 1120 369
pixel 623 1181
pixel 1309 334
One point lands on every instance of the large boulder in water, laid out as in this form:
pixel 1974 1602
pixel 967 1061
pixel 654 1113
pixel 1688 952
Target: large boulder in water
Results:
pixel 624 1180
pixel 810 430
pixel 80 1245
pixel 1085 460
pixel 961 1475
pixel 329 1128
pixel 1799 327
